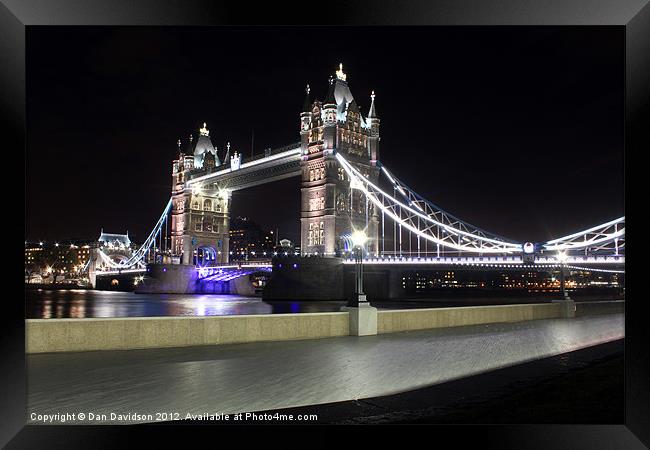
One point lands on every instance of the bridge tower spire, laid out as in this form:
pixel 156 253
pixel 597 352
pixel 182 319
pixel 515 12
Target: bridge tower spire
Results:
pixel 306 106
pixel 330 209
pixel 305 120
pixel 373 139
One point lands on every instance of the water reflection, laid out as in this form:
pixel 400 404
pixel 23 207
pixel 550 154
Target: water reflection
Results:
pixel 45 304
pixel 59 310
pixel 78 308
pixel 79 303
pixel 47 309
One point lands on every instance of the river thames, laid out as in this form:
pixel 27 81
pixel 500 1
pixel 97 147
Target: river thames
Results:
pixel 87 303
pixel 81 303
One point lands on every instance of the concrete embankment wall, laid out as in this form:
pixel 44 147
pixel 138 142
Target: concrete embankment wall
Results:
pixel 73 335
pixel 595 308
pixel 391 321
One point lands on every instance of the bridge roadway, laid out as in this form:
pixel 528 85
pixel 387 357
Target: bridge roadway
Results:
pixel 274 375
pixel 482 262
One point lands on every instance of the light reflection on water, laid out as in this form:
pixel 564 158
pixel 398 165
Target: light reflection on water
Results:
pixel 80 303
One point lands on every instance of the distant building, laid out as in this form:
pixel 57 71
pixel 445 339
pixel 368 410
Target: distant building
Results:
pixel 423 281
pixel 66 259
pixel 73 259
pixel 249 240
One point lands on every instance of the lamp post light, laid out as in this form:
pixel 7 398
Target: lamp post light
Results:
pixel 562 256
pixel 359 239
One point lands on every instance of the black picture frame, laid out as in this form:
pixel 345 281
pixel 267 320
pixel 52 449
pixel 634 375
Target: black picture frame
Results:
pixel 634 15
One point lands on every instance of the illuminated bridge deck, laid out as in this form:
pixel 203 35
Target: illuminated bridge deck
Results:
pixel 493 261
pixel 479 262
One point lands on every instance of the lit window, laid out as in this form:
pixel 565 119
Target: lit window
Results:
pixel 316 204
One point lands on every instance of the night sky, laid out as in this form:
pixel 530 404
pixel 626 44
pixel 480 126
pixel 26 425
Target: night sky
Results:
pixel 518 130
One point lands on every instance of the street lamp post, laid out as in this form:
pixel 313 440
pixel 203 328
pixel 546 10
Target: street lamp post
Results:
pixel 563 257
pixel 359 239
pixel 568 309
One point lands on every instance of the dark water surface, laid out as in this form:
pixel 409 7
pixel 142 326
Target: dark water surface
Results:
pixel 80 303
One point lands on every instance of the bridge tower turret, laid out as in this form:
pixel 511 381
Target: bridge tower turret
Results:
pixel 330 208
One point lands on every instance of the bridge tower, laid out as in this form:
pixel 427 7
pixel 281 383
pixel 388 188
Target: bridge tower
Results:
pixel 330 207
pixel 200 214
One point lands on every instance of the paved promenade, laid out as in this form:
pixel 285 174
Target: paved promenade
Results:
pixel 274 375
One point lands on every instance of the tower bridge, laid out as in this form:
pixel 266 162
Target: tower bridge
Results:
pixel 344 187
